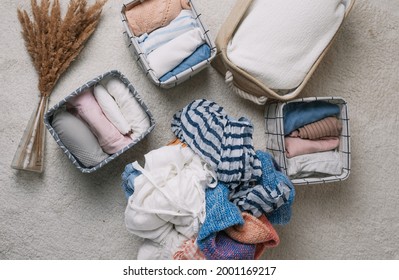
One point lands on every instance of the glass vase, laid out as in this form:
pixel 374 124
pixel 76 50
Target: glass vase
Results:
pixel 30 152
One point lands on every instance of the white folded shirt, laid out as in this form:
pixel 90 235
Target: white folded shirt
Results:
pixel 171 54
pixel 279 41
pixel 183 23
pixel 326 163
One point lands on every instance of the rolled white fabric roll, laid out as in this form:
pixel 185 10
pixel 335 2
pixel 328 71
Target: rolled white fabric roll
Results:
pixel 111 109
pixel 131 109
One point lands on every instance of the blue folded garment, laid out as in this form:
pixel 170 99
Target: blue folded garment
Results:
pixel 298 114
pixel 202 53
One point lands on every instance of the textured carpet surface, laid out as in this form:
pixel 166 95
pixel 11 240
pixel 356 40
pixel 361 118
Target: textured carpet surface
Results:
pixel 63 214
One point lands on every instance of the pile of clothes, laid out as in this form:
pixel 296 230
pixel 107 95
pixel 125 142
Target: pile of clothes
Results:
pixel 312 136
pixel 169 34
pixel 208 194
pixel 100 121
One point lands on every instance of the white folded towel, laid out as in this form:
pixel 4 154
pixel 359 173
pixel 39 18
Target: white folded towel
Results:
pixel 171 54
pixel 111 109
pixel 279 41
pixel 326 163
pixel 131 109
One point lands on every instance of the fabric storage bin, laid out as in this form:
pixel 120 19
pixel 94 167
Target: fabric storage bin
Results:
pixel 129 89
pixel 275 142
pixel 291 38
pixel 142 58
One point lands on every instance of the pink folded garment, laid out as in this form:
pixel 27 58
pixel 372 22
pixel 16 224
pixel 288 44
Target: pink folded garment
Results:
pixel 86 108
pixel 152 14
pixel 330 126
pixel 296 146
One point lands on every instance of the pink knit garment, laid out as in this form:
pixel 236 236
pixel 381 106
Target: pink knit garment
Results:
pixel 255 231
pixel 296 146
pixel 330 126
pixel 86 108
pixel 189 251
pixel 152 14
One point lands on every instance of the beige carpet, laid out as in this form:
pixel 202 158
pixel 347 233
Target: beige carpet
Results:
pixel 63 214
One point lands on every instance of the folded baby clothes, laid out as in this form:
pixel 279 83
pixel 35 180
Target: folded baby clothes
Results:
pixel 202 53
pixel 295 146
pixel 152 14
pixel 223 142
pixel 189 251
pixel 169 195
pixel 258 231
pixel 221 214
pixel 293 35
pixel 272 195
pixel 326 163
pixel 111 109
pixel 330 126
pixel 131 109
pixel 298 114
pixel 184 22
pixel 78 138
pixel 169 55
pixel 151 250
pixel 86 107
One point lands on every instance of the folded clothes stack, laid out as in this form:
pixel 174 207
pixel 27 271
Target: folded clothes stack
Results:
pixel 100 121
pixel 312 136
pixel 169 35
pixel 209 194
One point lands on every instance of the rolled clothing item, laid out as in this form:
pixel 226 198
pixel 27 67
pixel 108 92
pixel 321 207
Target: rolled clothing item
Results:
pixel 298 114
pixel 87 108
pixel 152 14
pixel 279 41
pixel 327 127
pixel 303 166
pixel 111 109
pixel 202 53
pixel 184 22
pixel 168 56
pixel 296 146
pixel 258 231
pixel 78 138
pixel 131 109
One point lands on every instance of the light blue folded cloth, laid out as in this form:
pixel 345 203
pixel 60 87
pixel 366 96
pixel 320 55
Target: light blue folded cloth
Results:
pixel 298 114
pixel 202 53
pixel 184 22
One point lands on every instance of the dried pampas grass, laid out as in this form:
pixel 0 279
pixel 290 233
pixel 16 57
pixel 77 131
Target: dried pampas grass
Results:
pixel 53 43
